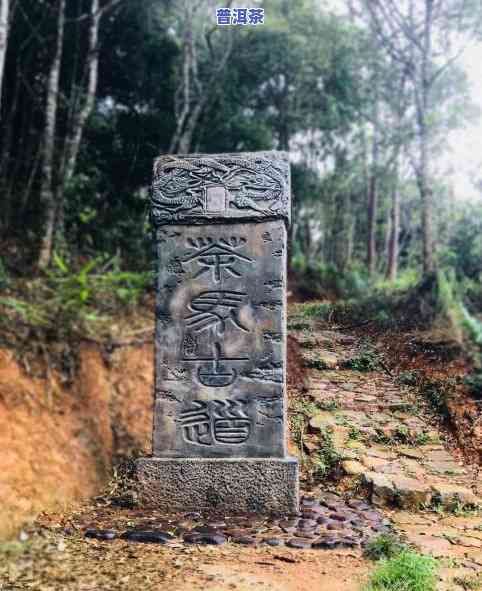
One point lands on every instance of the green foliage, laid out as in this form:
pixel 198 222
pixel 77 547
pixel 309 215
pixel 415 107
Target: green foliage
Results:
pixel 318 364
pixel 474 382
pixel 436 392
pixel 408 378
pixel 70 302
pixel 384 547
pixel 407 571
pixel 327 459
pixel 367 360
pixel 4 278
pixel 321 311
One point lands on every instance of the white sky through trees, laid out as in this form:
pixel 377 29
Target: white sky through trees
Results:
pixel 461 164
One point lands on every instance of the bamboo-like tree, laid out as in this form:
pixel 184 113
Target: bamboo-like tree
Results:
pixel 47 190
pixel 196 90
pixel 418 36
pixel 4 14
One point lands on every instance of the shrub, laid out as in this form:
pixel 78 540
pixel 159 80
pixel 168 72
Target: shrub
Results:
pixel 385 546
pixel 408 571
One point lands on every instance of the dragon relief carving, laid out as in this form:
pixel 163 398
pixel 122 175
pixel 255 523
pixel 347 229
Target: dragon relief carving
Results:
pixel 200 186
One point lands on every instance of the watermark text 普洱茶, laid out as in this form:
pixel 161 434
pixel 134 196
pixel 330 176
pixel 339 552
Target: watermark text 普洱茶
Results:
pixel 240 16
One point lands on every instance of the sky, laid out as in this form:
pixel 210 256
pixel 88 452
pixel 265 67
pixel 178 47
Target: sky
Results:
pixel 464 155
pixel 462 161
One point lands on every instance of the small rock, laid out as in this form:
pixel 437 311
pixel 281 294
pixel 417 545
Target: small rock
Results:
pixel 448 494
pixel 101 534
pixel 245 541
pixel 147 536
pixel 211 539
pixel 410 492
pixel 353 467
pixel 273 542
pixel 358 505
pixel 335 525
pixel 307 524
pixel 299 543
pixel 325 543
pixel 236 533
pixel 322 421
pixel 381 488
pixel 338 516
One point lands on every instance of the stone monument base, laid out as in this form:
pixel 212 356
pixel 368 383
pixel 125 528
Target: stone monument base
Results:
pixel 231 485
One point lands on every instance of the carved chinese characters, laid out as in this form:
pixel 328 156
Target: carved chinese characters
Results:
pixel 220 372
pixel 219 438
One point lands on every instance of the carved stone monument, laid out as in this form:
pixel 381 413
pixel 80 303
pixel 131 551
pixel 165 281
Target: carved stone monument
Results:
pixel 219 438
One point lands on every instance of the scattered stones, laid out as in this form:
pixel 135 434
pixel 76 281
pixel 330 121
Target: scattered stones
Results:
pixel 322 421
pixel 353 467
pixel 101 534
pixel 211 539
pixel 273 542
pixel 245 541
pixel 449 494
pixel 301 544
pixel 411 493
pixel 147 536
pixel 381 488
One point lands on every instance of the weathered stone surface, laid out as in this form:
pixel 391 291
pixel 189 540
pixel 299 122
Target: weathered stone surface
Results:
pixel 353 468
pixel 221 342
pixel 381 488
pixel 448 494
pixel 220 384
pixel 411 493
pixel 322 420
pixel 237 485
pixel 200 188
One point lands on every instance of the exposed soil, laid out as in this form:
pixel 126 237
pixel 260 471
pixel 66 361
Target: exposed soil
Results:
pixel 64 438
pixel 387 450
pixel 60 438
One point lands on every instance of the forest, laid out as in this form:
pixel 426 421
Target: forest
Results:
pixel 362 94
pixel 382 392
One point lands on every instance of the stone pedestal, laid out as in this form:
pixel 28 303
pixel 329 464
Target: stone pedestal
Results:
pixel 219 438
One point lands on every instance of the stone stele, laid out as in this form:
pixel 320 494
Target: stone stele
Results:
pixel 219 440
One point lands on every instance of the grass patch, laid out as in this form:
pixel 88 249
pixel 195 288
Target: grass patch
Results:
pixel 368 360
pixel 407 571
pixel 384 547
pixel 327 459
pixel 316 364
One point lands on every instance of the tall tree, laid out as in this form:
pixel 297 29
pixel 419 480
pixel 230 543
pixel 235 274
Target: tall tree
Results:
pixel 408 31
pixel 4 15
pixel 47 191
pixel 196 89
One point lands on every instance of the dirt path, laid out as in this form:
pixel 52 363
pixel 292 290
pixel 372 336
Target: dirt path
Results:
pixel 390 449
pixel 385 449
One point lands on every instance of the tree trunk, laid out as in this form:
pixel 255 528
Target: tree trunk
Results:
pixel 423 173
pixel 373 207
pixel 80 117
pixel 392 269
pixel 47 194
pixel 4 14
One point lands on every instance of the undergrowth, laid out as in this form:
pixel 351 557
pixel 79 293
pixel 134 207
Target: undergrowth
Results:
pixel 70 302
pixel 407 571
pixel 384 546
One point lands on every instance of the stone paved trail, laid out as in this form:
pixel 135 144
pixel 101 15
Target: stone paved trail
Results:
pixel 392 469
pixel 390 449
